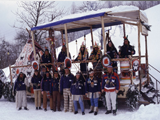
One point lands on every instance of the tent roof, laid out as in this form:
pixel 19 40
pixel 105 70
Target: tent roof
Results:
pixel 83 21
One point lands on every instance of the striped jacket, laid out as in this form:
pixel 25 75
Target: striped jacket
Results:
pixel 111 82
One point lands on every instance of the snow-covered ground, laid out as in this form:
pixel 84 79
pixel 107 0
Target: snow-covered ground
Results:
pixel 8 111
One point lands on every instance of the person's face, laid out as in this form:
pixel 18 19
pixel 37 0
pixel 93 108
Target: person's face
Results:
pixel 77 76
pixel 55 75
pixel 67 71
pixel 126 42
pixel 21 75
pixel 110 44
pixel 46 52
pixel 47 74
pixel 36 73
pixel 91 74
pixel 64 49
pixel 96 49
pixel 109 69
pixel 44 69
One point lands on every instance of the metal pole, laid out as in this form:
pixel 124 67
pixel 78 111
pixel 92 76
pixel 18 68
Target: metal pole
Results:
pixel 34 50
pixel 66 36
pixel 103 32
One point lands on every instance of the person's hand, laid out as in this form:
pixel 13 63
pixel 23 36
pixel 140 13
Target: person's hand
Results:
pixel 42 92
pixel 102 90
pixel 132 52
pixel 38 84
pixel 116 91
pixel 99 92
pixel 86 94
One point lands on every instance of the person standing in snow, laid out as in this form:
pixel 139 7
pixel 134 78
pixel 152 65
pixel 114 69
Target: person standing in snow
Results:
pixel 78 90
pixel 46 58
pixel 54 91
pixel 82 56
pixel 46 81
pixel 93 91
pixel 112 52
pixel 111 86
pixel 20 87
pixel 126 49
pixel 65 85
pixel 61 57
pixel 36 82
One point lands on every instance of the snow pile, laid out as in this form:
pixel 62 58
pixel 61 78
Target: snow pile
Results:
pixel 9 112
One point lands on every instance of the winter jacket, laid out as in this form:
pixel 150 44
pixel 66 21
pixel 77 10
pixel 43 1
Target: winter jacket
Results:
pixel 21 84
pixel 35 81
pixel 110 82
pixel 112 52
pixel 77 87
pixel 126 50
pixel 46 84
pixel 54 86
pixel 66 81
pixel 46 59
pixel 92 85
pixel 62 56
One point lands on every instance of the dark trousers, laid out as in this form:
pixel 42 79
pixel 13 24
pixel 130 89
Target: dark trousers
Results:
pixel 56 96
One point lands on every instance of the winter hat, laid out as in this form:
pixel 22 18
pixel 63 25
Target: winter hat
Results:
pixel 126 37
pixel 55 71
pixel 66 68
pixel 91 71
pixel 36 70
pixel 78 73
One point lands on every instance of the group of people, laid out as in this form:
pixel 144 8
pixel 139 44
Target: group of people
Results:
pixel 74 87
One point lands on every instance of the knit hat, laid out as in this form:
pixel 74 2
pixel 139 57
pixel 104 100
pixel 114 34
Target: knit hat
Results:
pixel 78 73
pixel 91 71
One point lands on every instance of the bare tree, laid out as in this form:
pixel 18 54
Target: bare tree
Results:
pixel 34 13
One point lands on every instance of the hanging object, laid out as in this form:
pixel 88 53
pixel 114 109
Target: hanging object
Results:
pixel 35 65
pixel 67 63
pixel 135 65
pixel 105 60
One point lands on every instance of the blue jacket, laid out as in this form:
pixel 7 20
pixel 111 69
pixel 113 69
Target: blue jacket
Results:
pixel 62 56
pixel 35 81
pixel 110 82
pixel 19 85
pixel 66 81
pixel 46 84
pixel 77 87
pixel 92 85
pixel 54 86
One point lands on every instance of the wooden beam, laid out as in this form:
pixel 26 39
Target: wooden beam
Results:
pixel 139 51
pixel 10 74
pixel 91 36
pixel 66 36
pixel 34 50
pixel 103 32
pixel 124 29
pixel 147 70
pixel 62 37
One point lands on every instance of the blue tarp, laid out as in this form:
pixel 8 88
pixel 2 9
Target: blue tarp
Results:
pixel 67 21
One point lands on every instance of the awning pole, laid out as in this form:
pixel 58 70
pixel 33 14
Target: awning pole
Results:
pixel 103 32
pixel 124 29
pixel 34 50
pixel 91 36
pixel 62 37
pixel 139 50
pixel 10 74
pixel 147 69
pixel 66 36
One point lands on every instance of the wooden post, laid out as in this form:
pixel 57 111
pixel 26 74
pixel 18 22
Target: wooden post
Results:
pixel 62 37
pixel 91 36
pixel 124 29
pixel 10 74
pixel 34 50
pixel 147 60
pixel 139 51
pixel 66 36
pixel 131 69
pixel 103 32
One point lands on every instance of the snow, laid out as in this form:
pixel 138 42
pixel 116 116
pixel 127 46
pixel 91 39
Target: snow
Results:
pixel 9 112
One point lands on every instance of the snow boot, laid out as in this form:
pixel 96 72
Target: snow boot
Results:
pixel 26 108
pixel 114 112
pixel 36 108
pixel 83 113
pixel 95 113
pixel 91 109
pixel 96 110
pixel 75 112
pixel 108 112
pixel 40 108
pixel 45 109
pixel 20 108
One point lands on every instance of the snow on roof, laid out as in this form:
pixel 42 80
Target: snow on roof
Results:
pixel 85 19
